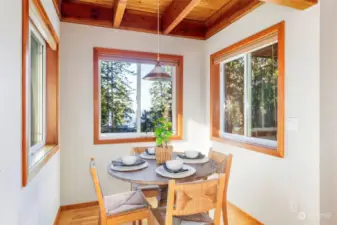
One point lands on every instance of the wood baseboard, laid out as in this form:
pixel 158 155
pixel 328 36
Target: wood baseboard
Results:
pixel 78 206
pixel 243 212
pixel 57 218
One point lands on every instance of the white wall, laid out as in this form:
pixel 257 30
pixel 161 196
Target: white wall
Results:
pixel 270 189
pixel 328 112
pixel 76 98
pixel 40 200
pixel 10 111
pixel 37 204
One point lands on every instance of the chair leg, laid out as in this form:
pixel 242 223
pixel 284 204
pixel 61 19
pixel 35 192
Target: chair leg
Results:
pixel 224 213
pixel 140 222
pixel 150 219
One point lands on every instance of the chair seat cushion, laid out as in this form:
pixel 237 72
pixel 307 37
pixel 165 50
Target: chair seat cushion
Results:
pixel 196 219
pixel 124 202
pixel 135 187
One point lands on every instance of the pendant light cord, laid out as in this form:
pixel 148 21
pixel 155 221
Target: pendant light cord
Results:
pixel 158 27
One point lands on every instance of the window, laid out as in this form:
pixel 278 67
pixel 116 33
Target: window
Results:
pixel 36 94
pixel 127 105
pixel 39 90
pixel 250 94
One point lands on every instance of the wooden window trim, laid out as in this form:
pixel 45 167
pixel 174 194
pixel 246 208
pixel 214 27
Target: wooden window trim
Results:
pixel 148 57
pixel 215 92
pixel 57 6
pixel 52 73
pixel 38 14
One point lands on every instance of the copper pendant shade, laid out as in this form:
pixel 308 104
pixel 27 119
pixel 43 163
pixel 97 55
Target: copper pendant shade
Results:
pixel 158 73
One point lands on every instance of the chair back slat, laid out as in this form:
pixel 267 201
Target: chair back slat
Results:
pixel 224 163
pixel 221 159
pixel 99 192
pixel 193 198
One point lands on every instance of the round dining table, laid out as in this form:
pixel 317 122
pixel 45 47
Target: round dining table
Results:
pixel 148 175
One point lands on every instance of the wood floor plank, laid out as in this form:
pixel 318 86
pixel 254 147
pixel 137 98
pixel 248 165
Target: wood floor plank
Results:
pixel 89 216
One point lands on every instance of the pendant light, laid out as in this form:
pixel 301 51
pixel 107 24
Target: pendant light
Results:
pixel 158 73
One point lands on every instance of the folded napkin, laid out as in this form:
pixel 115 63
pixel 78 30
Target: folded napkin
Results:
pixel 119 162
pixel 183 156
pixel 171 171
pixel 147 152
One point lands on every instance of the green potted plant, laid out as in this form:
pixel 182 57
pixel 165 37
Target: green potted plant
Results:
pixel 163 133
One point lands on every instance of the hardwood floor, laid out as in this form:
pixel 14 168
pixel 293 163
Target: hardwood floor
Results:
pixel 89 216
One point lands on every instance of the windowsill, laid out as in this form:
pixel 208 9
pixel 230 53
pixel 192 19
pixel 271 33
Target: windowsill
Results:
pixel 131 140
pixel 257 148
pixel 40 159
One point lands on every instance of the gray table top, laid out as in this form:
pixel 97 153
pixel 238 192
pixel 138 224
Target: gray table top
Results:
pixel 149 176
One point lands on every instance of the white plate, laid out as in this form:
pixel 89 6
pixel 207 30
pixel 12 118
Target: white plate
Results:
pixel 129 168
pixel 161 171
pixel 194 161
pixel 146 156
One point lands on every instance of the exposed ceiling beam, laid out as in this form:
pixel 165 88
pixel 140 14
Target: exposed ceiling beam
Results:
pixel 147 22
pixel 86 11
pixel 176 12
pixel 297 4
pixel 118 12
pixel 89 14
pixel 228 14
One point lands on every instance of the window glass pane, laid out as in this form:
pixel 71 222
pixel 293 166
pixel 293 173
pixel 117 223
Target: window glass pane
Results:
pixel 156 98
pixel 234 96
pixel 264 73
pixel 36 92
pixel 118 96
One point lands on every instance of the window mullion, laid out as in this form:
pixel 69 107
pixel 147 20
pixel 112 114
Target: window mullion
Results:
pixel 263 102
pixel 222 98
pixel 174 99
pixel 139 86
pixel 247 96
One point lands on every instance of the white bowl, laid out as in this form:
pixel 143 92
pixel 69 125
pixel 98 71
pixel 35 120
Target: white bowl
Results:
pixel 174 165
pixel 151 150
pixel 129 160
pixel 191 154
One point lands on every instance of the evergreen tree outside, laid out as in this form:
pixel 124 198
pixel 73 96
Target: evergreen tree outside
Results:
pixel 161 103
pixel 263 90
pixel 118 98
pixel 117 110
pixel 234 88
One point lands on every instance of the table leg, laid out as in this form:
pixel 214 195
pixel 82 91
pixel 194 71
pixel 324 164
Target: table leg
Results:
pixel 162 198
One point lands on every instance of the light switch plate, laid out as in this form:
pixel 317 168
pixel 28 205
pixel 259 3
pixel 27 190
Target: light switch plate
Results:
pixel 292 124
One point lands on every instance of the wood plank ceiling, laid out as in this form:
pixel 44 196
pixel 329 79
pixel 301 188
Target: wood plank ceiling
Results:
pixel 198 19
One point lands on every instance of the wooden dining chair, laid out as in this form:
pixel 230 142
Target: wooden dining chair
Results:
pixel 190 203
pixel 119 208
pixel 224 167
pixel 149 191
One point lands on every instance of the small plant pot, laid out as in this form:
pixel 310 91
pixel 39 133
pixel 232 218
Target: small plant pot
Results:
pixel 163 154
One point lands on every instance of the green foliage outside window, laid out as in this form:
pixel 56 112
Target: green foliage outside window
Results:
pixel 263 91
pixel 116 102
pixel 117 109
pixel 161 101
